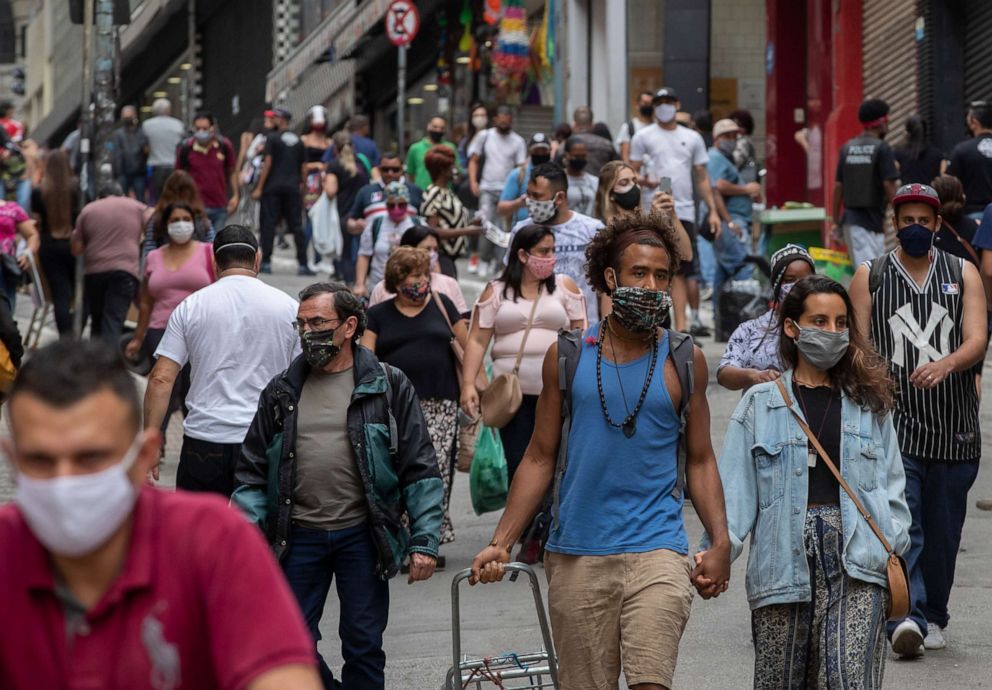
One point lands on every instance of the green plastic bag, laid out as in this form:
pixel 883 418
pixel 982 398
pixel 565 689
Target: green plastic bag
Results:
pixel 487 479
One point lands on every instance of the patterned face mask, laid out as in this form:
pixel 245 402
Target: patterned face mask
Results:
pixel 640 310
pixel 541 211
pixel 417 291
pixel 319 347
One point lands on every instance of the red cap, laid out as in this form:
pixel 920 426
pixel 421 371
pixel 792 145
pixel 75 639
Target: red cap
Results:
pixel 919 193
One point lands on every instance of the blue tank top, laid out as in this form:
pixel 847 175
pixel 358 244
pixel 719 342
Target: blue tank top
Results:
pixel 616 495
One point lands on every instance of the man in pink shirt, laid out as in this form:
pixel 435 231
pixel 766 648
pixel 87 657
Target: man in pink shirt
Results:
pixel 111 584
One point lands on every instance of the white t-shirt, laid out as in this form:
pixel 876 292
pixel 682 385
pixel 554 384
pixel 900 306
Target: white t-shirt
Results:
pixel 386 241
pixel 571 238
pixel 237 335
pixel 582 193
pixel 625 135
pixel 671 153
pixel 503 152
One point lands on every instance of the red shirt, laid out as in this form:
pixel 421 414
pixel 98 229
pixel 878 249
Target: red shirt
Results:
pixel 200 604
pixel 210 167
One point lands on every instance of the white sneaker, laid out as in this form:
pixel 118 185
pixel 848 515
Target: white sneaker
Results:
pixel 907 642
pixel 935 637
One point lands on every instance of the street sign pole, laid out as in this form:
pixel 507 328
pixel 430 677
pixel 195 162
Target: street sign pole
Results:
pixel 401 99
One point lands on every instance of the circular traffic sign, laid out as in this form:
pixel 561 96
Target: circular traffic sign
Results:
pixel 402 22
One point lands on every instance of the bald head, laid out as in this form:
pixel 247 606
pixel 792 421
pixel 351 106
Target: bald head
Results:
pixel 582 118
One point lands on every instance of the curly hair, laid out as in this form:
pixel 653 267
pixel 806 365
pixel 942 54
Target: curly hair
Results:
pixel 439 160
pixel 403 263
pixel 606 248
pixel 861 373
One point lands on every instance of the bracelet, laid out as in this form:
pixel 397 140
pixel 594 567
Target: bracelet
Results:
pixel 495 542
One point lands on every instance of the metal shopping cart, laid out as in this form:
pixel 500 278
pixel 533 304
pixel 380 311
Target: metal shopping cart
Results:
pixel 509 671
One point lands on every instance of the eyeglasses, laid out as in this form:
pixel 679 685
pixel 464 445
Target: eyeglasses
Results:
pixel 398 204
pixel 314 324
pixel 390 169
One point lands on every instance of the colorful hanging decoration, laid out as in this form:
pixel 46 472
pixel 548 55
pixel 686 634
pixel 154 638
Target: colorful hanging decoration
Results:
pixel 511 58
pixel 492 12
pixel 465 18
pixel 542 46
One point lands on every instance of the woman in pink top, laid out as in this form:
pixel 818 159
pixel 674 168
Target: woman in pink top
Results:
pixel 425 237
pixel 173 272
pixel 15 221
pixel 501 318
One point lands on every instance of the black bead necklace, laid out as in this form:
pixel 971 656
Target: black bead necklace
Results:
pixel 629 424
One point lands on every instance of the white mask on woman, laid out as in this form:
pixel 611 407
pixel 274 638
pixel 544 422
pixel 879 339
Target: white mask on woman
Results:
pixel 181 231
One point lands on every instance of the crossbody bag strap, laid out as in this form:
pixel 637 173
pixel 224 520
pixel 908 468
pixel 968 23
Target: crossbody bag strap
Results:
pixel 833 468
pixel 444 312
pixel 530 324
pixel 964 243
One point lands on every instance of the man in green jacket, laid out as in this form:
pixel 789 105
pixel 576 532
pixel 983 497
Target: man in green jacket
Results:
pixel 416 171
pixel 337 453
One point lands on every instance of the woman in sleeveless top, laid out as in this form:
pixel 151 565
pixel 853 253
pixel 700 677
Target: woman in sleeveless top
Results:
pixel 816 573
pixel 444 211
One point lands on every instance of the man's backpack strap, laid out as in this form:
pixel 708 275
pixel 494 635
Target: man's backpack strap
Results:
pixel 876 269
pixel 376 227
pixel 682 352
pixel 569 344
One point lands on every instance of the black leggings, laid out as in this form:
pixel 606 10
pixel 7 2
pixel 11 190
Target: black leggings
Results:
pixel 59 266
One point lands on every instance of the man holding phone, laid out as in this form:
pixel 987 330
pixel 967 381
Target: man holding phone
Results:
pixel 666 150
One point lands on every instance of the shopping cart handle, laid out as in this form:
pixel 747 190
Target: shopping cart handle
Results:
pixel 513 568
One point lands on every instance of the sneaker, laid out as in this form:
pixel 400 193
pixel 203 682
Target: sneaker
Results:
pixel 935 637
pixel 266 267
pixel 907 641
pixel 705 294
pixel 305 271
pixel 983 504
pixel 473 263
pixel 698 330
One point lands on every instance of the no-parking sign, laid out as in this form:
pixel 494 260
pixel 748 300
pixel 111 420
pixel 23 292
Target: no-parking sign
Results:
pixel 402 22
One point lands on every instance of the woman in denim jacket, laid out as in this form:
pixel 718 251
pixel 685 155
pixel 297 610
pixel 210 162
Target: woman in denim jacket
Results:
pixel 816 574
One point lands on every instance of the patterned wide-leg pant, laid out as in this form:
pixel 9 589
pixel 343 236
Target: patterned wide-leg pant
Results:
pixel 442 425
pixel 837 640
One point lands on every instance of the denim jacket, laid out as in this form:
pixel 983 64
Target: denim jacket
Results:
pixel 763 466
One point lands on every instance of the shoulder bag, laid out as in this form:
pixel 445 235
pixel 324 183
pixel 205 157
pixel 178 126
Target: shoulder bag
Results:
pixel 896 567
pixel 456 347
pixel 502 398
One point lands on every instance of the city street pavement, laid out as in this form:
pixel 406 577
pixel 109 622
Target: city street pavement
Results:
pixel 716 650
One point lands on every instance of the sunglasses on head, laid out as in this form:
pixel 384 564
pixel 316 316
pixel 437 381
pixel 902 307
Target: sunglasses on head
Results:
pixel 396 204
pixel 390 169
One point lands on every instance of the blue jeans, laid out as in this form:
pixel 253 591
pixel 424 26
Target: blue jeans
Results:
pixel 218 218
pixel 937 494
pixel 136 182
pixel 24 194
pixel 313 559
pixel 707 260
pixel 729 251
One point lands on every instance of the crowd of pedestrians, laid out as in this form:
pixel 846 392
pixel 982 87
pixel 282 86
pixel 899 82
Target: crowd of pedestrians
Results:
pixel 335 422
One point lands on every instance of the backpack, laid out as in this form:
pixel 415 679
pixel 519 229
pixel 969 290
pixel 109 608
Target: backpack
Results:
pixel 377 226
pixel 680 350
pixel 877 267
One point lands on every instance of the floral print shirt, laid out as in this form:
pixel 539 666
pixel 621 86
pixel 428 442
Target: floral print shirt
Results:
pixel 754 345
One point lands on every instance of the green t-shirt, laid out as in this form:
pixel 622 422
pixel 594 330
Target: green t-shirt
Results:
pixel 415 167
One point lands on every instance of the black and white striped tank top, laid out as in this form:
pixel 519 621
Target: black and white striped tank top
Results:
pixel 911 326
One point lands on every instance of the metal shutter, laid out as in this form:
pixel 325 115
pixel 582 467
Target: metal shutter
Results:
pixel 890 59
pixel 977 55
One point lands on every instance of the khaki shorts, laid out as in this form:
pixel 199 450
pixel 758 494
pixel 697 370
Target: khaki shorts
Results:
pixel 609 612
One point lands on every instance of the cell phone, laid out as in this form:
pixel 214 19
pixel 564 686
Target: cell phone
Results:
pixel 665 185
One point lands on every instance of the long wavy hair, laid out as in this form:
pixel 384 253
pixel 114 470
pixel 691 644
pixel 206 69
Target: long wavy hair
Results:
pixel 861 373
pixel 57 192
pixel 606 208
pixel 179 187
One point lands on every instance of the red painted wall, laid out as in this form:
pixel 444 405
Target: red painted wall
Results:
pixel 784 92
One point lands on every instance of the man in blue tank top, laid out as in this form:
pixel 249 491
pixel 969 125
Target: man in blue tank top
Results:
pixel 926 314
pixel 620 576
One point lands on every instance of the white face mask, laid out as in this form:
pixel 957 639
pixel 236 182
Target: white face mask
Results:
pixel 181 231
pixel 75 515
pixel 480 121
pixel 665 112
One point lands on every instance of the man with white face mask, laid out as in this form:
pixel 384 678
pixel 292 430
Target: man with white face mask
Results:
pixel 120 585
pixel 209 159
pixel 666 150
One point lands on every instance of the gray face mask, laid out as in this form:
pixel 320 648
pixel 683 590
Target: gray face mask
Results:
pixel 823 349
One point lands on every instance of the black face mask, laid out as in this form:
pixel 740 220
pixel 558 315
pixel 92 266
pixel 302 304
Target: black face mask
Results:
pixel 628 200
pixel 646 110
pixel 503 129
pixel 319 347
pixel 435 136
pixel 577 164
pixel 540 158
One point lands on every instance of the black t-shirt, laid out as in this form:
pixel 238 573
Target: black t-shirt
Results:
pixel 288 154
pixel 971 162
pixel 38 207
pixel 945 239
pixel 822 409
pixel 348 185
pixel 921 169
pixel 869 161
pixel 420 346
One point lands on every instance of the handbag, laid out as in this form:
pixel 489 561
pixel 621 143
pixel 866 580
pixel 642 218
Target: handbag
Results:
pixel 457 349
pixel 896 567
pixel 488 481
pixel 502 397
